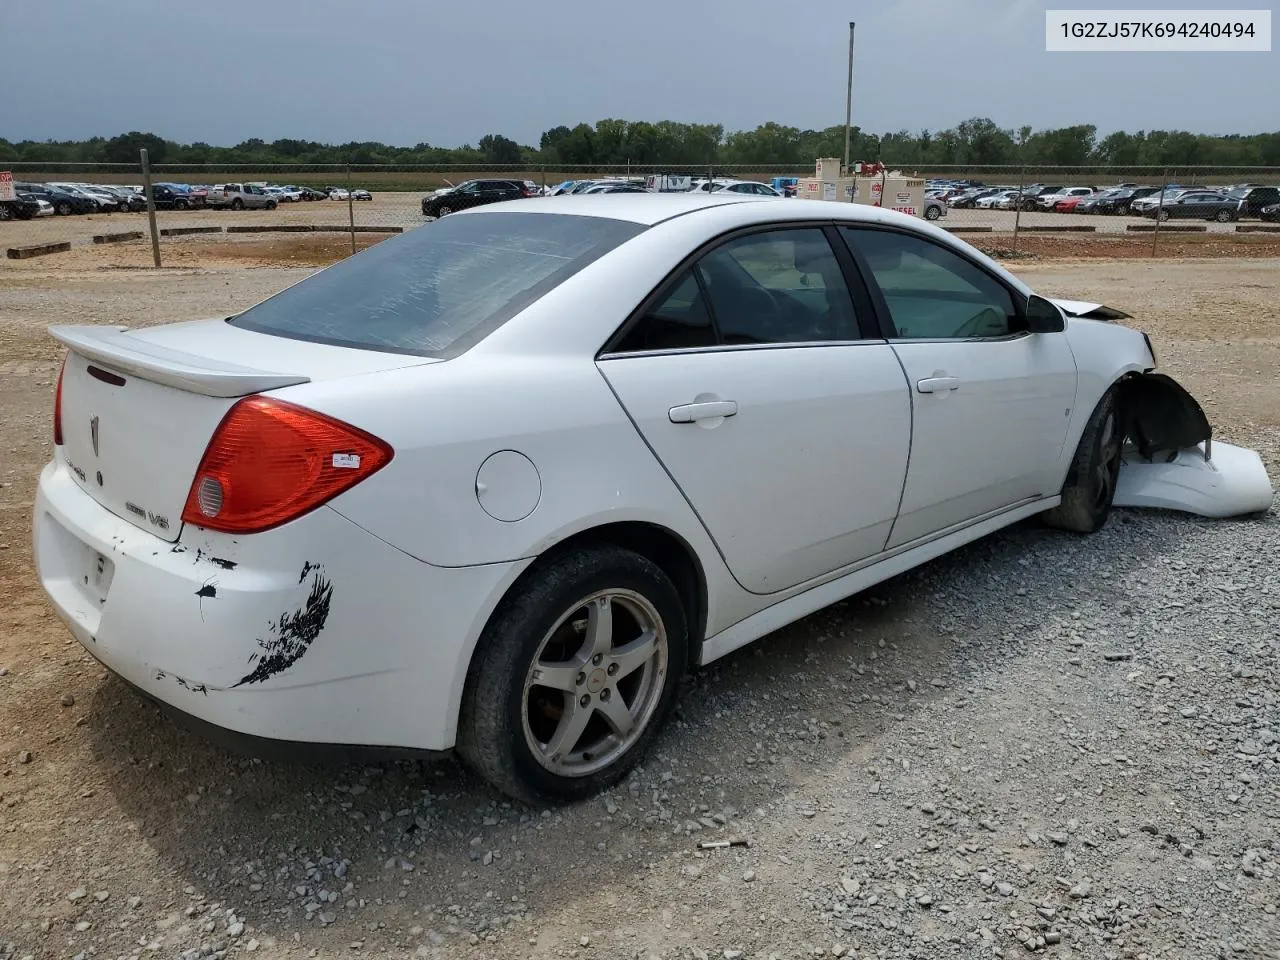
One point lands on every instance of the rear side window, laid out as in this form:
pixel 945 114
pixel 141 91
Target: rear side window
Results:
pixel 439 289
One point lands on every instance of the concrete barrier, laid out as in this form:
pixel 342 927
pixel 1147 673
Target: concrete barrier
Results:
pixel 311 228
pixel 968 229
pixel 1258 228
pixel 1066 228
pixel 23 253
pixel 275 228
pixel 185 231
pixel 117 237
pixel 1168 227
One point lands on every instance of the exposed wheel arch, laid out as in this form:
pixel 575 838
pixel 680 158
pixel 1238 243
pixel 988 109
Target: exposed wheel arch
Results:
pixel 660 545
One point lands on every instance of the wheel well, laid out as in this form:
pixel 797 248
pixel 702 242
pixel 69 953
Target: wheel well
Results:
pixel 1157 413
pixel 671 553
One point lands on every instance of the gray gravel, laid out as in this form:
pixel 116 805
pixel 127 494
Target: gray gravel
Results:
pixel 1042 744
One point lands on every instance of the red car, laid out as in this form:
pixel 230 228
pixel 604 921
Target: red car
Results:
pixel 1067 204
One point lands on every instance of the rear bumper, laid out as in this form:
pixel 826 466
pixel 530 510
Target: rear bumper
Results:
pixel 316 632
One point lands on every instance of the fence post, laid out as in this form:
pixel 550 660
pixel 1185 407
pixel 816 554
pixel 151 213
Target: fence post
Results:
pixel 351 211
pixel 151 205
pixel 544 178
pixel 1017 207
pixel 1155 232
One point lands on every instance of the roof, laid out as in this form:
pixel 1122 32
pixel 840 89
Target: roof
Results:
pixel 643 208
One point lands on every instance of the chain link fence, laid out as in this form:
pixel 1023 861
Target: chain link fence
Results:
pixel 313 214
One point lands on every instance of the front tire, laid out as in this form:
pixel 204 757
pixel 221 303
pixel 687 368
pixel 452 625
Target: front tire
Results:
pixel 932 213
pixel 574 675
pixel 271 204
pixel 1090 487
pixel 444 211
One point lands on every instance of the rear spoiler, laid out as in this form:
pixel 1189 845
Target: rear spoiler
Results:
pixel 115 347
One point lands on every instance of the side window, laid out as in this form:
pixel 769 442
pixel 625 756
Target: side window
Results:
pixel 680 321
pixel 931 292
pixel 782 286
pixel 471 188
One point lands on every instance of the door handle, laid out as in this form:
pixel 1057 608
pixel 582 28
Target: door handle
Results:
pixel 707 410
pixel 938 384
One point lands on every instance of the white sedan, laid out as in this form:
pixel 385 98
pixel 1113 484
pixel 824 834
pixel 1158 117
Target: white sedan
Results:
pixel 497 483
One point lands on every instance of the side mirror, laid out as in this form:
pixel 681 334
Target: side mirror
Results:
pixel 1043 316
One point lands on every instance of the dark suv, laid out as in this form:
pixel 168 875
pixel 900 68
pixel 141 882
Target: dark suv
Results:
pixel 474 193
pixel 1253 199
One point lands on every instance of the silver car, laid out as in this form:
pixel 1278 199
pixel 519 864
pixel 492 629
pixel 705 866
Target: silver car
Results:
pixel 240 196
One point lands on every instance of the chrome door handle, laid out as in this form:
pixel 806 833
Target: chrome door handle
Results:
pixel 938 384
pixel 708 410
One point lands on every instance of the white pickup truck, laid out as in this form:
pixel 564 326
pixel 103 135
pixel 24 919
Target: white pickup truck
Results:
pixel 240 196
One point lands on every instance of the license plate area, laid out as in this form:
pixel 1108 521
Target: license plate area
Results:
pixel 98 580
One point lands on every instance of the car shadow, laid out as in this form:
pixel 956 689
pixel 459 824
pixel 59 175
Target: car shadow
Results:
pixel 429 840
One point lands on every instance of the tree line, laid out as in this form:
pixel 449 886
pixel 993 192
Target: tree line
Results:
pixel 978 142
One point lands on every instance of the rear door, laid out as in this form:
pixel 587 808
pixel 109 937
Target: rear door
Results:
pixel 787 431
pixel 991 402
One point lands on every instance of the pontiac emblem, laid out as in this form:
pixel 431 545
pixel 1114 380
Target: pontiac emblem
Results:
pixel 93 433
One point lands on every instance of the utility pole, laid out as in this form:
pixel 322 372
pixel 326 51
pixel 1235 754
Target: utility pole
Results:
pixel 848 104
pixel 151 205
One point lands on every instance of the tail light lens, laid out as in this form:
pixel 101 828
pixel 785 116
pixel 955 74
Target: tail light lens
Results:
pixel 270 462
pixel 57 407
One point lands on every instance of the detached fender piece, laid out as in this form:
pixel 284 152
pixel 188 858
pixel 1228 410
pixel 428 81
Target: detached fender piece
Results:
pixel 1229 483
pixel 1171 460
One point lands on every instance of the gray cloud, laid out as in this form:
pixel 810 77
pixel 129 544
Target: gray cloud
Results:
pixel 408 71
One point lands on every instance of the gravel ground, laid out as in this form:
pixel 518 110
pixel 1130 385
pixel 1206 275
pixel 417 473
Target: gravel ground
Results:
pixel 1040 744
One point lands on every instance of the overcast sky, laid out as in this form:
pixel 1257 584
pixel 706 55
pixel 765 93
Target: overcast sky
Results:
pixel 396 71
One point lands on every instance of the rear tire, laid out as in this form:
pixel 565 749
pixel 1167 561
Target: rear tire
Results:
pixel 1090 486
pixel 1223 216
pixel 237 204
pixel 63 209
pixel 574 675
pixel 932 213
pixel 1163 215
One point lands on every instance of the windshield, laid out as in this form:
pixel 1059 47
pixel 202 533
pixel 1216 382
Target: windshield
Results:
pixel 442 287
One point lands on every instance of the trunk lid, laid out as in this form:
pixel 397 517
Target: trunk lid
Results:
pixel 139 407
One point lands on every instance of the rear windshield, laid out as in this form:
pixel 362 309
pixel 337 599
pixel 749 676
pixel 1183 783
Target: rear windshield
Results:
pixel 441 288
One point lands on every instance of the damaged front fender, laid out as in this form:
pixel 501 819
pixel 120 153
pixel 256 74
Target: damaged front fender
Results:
pixel 1171 461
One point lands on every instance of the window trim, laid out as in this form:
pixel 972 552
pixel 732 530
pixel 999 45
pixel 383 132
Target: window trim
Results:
pixel 885 316
pixel 863 307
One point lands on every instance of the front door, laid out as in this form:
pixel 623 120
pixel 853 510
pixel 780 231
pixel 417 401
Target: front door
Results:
pixel 786 431
pixel 991 402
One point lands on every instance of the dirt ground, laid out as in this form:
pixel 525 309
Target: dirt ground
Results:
pixel 121 835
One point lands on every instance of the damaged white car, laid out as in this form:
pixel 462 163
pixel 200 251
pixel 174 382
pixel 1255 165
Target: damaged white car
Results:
pixel 496 484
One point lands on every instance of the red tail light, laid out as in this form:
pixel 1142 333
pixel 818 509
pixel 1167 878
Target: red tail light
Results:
pixel 269 462
pixel 57 407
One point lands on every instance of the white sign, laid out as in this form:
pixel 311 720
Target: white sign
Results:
pixel 828 190
pixel 6 186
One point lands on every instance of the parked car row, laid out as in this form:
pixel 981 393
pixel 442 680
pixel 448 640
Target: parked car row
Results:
pixel 1223 204
pixel 65 198
pixel 474 193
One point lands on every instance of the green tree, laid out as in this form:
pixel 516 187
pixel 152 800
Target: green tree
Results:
pixel 125 148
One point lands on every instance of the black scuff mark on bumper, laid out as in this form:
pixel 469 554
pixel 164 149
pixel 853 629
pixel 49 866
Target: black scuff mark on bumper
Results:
pixel 224 564
pixel 199 688
pixel 292 635
pixel 307 567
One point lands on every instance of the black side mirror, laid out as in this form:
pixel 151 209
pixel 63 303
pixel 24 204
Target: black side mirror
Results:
pixel 1043 316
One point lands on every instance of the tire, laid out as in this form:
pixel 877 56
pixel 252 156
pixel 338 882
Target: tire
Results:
pixel 63 209
pixel 237 204
pixel 1163 215
pixel 548 618
pixel 444 211
pixel 271 204
pixel 1090 486
pixel 1122 210
pixel 932 213
pixel 1223 216
pixel 7 213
